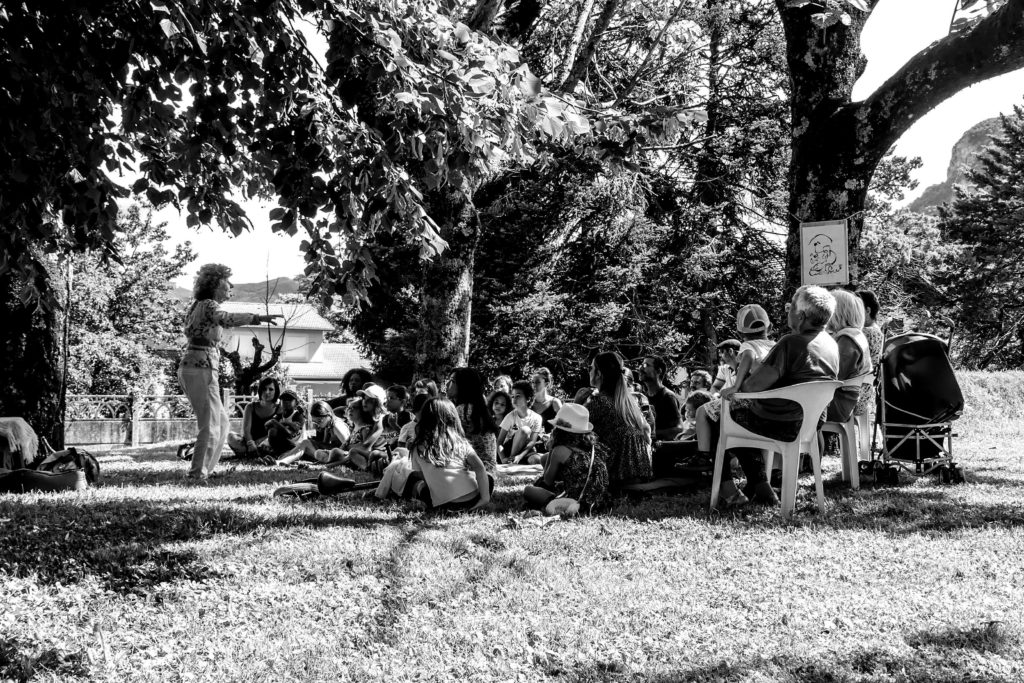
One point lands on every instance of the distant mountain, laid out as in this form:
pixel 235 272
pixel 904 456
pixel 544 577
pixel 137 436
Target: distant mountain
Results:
pixel 964 157
pixel 253 292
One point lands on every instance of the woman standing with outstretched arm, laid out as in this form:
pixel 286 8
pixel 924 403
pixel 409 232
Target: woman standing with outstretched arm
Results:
pixel 198 370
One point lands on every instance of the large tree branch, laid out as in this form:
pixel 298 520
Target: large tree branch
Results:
pixel 579 69
pixel 995 46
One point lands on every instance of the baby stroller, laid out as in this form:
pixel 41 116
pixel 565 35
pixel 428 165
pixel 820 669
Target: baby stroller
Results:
pixel 917 400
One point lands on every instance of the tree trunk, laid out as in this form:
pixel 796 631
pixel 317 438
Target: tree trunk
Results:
pixel 836 143
pixel 31 373
pixel 482 16
pixel 446 294
pixel 574 45
pixel 579 68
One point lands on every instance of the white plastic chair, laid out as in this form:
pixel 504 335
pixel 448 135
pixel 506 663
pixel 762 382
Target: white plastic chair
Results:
pixel 812 397
pixel 849 445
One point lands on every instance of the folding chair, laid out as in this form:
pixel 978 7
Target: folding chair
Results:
pixel 812 397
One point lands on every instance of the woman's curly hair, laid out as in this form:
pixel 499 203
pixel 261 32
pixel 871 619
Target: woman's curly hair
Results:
pixel 208 279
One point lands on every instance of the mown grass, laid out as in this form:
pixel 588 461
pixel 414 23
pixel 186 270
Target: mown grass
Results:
pixel 149 578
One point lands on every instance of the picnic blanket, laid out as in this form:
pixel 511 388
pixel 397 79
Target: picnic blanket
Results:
pixel 520 470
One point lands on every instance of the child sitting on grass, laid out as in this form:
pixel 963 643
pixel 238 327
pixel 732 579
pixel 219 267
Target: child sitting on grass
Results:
pixel 694 400
pixel 447 472
pixel 574 468
pixel 331 432
pixel 521 428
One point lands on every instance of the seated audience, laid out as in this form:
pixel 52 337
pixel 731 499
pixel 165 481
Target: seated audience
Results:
pixel 254 430
pixel 447 473
pixel 618 422
pixel 875 337
pixel 502 383
pixel 543 403
pixel 521 428
pixel 694 400
pixel 753 325
pixel 466 391
pixel 285 429
pixel 330 432
pixel 700 380
pixel 500 405
pixel 726 376
pixel 575 466
pixel 352 381
pixel 409 429
pixel 854 354
pixel 807 354
pixel 425 386
pixel 668 418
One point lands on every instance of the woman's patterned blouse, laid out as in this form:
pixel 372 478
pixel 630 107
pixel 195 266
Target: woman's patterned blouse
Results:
pixel 204 328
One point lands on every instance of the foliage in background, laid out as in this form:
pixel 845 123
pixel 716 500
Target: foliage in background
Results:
pixel 123 313
pixel 983 280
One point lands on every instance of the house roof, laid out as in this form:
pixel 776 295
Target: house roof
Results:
pixel 331 361
pixel 297 316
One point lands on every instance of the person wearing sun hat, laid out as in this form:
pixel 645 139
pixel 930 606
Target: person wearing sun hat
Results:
pixel 575 467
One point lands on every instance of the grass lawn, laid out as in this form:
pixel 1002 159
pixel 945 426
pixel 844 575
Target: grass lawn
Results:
pixel 155 579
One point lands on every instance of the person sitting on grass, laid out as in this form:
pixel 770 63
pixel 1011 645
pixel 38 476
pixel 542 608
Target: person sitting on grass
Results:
pixel 575 467
pixel 330 432
pixel 521 428
pixel 807 354
pixel 357 449
pixel 618 422
pixel 398 414
pixel 254 419
pixel 700 380
pixel 426 386
pixel 500 405
pixel 691 405
pixel 466 390
pixel 668 418
pixel 447 473
pixel 351 383
pixel 409 429
pixel 285 429
pixel 502 383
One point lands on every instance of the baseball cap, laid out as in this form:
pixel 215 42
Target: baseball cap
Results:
pixel 374 391
pixel 751 318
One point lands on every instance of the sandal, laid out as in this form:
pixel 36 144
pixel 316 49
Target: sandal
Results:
pixel 733 502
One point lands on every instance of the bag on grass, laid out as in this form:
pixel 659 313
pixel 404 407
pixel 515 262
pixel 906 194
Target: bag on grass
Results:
pixel 69 460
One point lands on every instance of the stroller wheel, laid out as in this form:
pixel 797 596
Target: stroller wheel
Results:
pixel 891 475
pixel 956 475
pixel 864 467
pixel 944 477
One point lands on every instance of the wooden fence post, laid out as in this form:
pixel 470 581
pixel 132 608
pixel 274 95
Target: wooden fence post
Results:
pixel 135 427
pixel 309 406
pixel 225 398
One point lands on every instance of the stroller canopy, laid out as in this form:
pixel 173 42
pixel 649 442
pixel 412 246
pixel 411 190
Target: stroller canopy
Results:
pixel 919 385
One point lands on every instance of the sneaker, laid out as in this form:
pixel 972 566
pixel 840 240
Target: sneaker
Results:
pixel 697 463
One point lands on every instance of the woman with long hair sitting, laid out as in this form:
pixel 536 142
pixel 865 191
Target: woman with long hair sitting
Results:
pixel 447 473
pixel 619 423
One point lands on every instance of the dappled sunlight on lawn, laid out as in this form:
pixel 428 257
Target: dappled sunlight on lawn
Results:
pixel 221 581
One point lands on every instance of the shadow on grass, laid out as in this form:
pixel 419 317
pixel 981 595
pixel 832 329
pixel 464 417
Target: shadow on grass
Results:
pixel 876 664
pixel 20 660
pixel 129 544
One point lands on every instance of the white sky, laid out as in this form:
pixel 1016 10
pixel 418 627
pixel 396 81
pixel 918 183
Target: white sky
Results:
pixel 896 31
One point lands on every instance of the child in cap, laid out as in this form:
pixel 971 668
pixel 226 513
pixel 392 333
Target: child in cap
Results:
pixel 753 325
pixel 575 467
